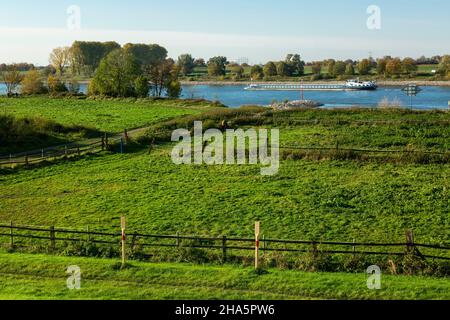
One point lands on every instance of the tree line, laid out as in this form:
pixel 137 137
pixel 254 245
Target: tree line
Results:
pixel 142 69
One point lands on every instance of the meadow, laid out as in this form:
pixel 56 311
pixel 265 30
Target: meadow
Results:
pixel 40 277
pixel 107 115
pixel 323 198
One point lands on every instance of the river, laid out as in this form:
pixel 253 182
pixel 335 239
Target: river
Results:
pixel 431 97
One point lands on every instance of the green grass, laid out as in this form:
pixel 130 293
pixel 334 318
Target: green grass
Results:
pixel 334 200
pixel 328 200
pixel 112 115
pixel 24 276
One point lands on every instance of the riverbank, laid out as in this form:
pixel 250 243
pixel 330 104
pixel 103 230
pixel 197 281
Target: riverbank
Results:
pixel 385 83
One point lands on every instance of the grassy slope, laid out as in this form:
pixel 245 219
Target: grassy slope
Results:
pixel 105 115
pixel 43 277
pixel 321 200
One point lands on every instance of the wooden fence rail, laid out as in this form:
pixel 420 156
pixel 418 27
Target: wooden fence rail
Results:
pixel 46 154
pixel 223 243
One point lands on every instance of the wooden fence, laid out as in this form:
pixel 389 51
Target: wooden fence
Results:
pixel 53 153
pixel 51 236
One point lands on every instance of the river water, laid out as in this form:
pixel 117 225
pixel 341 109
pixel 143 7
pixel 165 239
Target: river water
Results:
pixel 234 96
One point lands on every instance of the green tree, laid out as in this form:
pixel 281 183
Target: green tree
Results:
pixel 186 63
pixel 257 72
pixel 364 67
pixel 381 66
pixel 444 65
pixel 217 66
pixel 409 66
pixel 141 86
pixel 174 89
pixel 237 71
pixel 146 54
pixel 296 64
pixel 32 83
pixel 330 66
pixel 349 69
pixel 339 68
pixel 87 55
pixel 283 69
pixel 116 75
pixel 270 69
pixel 316 68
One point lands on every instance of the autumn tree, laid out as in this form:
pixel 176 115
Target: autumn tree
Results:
pixel 394 67
pixel 60 58
pixel 11 79
pixel 409 66
pixel 162 75
pixel 364 67
pixel 32 83
pixel 444 65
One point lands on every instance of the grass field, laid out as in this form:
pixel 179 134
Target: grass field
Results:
pixel 341 200
pixel 105 115
pixel 328 200
pixel 24 276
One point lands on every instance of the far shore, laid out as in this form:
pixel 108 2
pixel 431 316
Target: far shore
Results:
pixel 380 83
pixel 384 83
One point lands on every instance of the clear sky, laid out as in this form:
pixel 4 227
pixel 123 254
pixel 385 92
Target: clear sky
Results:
pixel 259 30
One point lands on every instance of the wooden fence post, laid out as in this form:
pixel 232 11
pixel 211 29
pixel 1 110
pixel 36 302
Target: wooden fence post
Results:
pixel 409 241
pixel 103 143
pixel 11 235
pixel 125 136
pixel 354 248
pixel 52 238
pixel 224 249
pixel 257 233
pixel 178 240
pixel 106 141
pixel 123 225
pixel 88 234
pixel 133 241
pixel 26 159
pixel 78 151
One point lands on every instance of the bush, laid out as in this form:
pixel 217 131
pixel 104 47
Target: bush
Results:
pixel 32 83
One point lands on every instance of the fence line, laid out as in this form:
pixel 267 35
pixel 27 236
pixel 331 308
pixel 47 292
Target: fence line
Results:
pixel 54 235
pixel 50 153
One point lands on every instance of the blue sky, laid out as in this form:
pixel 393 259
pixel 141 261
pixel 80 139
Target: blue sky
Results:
pixel 257 29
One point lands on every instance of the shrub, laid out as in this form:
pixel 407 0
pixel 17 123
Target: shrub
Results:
pixel 32 83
